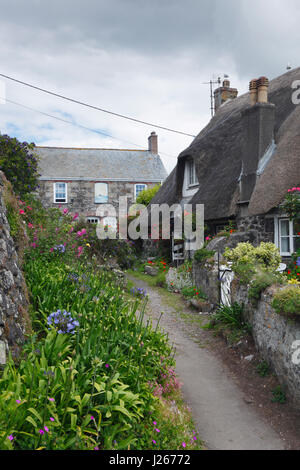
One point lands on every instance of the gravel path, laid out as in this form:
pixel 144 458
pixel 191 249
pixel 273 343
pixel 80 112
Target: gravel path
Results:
pixel 222 417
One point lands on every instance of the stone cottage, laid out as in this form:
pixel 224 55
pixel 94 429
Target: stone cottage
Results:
pixel 243 162
pixel 84 179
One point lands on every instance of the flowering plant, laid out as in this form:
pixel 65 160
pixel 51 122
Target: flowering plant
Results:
pixel 291 204
pixel 63 322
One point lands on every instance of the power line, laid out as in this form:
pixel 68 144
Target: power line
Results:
pixel 79 125
pixel 95 107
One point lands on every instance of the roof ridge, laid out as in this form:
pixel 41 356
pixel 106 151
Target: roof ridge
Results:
pixel 89 148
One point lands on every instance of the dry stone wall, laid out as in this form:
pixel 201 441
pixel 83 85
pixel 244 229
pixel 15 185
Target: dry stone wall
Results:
pixel 13 294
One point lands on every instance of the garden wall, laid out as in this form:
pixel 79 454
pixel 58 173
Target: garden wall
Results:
pixel 275 337
pixel 13 294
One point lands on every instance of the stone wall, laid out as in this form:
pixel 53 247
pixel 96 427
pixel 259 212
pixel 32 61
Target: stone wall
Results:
pixel 81 195
pixel 13 294
pixel 275 337
pixel 262 226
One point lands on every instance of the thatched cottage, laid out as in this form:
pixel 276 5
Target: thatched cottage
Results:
pixel 84 179
pixel 242 164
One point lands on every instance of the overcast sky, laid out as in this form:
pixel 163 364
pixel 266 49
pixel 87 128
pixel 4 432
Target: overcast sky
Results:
pixel 146 59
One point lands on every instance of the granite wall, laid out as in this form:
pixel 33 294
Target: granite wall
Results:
pixel 14 320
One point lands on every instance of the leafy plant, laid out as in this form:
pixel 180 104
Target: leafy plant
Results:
pixel 279 395
pixel 291 204
pixel 193 292
pixel 146 196
pixel 202 255
pixel 287 301
pixel 19 164
pixel 261 282
pixel 263 369
pixel 231 316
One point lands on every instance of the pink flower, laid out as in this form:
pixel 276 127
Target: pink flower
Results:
pixel 46 428
pixel 66 211
pixel 33 245
pixel 157 430
pixel 92 418
pixel 96 448
pixel 30 225
pixel 52 419
pixel 11 437
pixel 29 208
pixel 154 442
pixel 183 444
pixel 155 423
pixel 18 401
pixel 51 399
pixel 107 366
pixel 41 431
pixel 22 212
pixel 75 216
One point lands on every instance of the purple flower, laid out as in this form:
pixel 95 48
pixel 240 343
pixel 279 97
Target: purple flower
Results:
pixel 11 437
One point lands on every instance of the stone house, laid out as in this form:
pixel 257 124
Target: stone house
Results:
pixel 243 162
pixel 86 179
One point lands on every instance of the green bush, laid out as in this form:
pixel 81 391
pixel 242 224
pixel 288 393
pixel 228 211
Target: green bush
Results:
pixel 19 164
pixel 261 282
pixel 192 293
pixel 232 317
pixel 146 196
pixel 263 369
pixel 287 301
pixel 279 395
pixel 265 255
pixel 202 255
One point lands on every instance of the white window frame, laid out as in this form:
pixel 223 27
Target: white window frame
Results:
pixel 191 175
pixel 290 236
pixel 136 185
pixel 54 192
pixel 107 196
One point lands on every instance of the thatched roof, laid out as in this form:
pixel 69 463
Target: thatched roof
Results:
pixel 217 151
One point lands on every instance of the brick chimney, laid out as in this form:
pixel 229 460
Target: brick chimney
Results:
pixel 153 143
pixel 224 93
pixel 258 134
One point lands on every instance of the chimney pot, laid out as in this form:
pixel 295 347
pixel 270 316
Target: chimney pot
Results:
pixel 253 91
pixel 153 143
pixel 262 88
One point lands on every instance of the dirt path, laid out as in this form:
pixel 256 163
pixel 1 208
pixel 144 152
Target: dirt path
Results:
pixel 223 418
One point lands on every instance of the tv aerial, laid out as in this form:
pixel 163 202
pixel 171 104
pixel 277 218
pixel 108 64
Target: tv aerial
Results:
pixel 214 81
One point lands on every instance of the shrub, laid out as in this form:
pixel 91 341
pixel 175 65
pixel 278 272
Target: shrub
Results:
pixel 232 317
pixel 203 255
pixel 177 279
pixel 266 254
pixel 291 204
pixel 261 282
pixel 287 301
pixel 19 164
pixel 279 395
pixel 146 196
pixel 193 292
pixel 263 369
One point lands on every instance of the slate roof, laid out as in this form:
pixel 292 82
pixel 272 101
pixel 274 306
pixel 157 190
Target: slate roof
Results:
pixel 217 151
pixel 102 164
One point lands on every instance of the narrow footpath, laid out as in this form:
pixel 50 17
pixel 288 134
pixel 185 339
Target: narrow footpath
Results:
pixel 223 419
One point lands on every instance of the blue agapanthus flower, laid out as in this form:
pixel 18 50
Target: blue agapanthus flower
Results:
pixel 298 262
pixel 63 322
pixel 60 248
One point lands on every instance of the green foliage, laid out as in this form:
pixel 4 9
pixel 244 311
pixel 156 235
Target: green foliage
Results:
pixel 248 260
pixel 193 293
pixel 19 164
pixel 291 204
pixel 102 371
pixel 279 395
pixel 263 369
pixel 146 196
pixel 266 254
pixel 202 255
pixel 261 282
pixel 231 318
pixel 287 301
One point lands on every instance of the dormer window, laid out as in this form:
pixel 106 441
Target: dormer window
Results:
pixel 192 176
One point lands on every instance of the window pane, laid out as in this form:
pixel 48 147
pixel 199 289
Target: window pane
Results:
pixel 139 188
pixel 285 228
pixel 285 245
pixel 296 226
pixel 60 192
pixel 296 243
pixel 101 193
